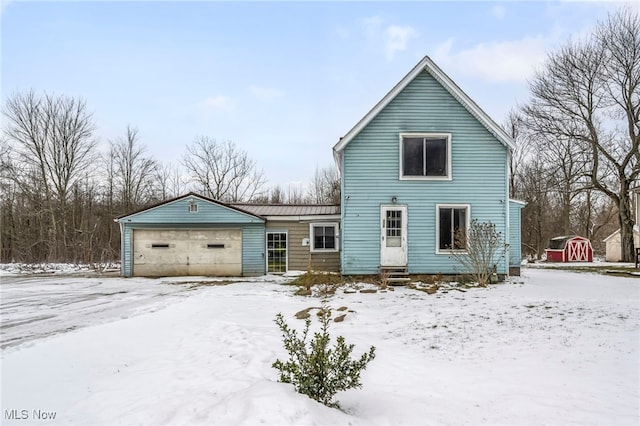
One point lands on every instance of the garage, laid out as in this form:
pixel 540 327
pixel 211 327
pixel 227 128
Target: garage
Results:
pixel 192 235
pixel 168 252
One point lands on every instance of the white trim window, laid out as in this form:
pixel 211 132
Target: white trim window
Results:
pixel 324 237
pixel 451 220
pixel 425 156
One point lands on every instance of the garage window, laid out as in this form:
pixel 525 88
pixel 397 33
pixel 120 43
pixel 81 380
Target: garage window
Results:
pixel 159 245
pixel 215 246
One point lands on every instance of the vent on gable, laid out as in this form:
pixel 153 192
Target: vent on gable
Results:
pixel 193 207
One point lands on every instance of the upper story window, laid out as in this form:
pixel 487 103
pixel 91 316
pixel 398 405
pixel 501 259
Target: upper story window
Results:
pixel 324 237
pixel 193 208
pixel 425 156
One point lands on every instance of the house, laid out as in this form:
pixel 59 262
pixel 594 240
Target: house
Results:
pixel 613 243
pixel 416 169
pixel 196 235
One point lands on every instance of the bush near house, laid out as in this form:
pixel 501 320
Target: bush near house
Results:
pixel 482 242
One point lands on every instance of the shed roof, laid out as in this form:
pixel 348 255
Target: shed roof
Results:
pixel 426 64
pixel 289 209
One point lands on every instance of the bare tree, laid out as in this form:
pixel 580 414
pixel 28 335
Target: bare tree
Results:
pixel 53 147
pixel 296 194
pixel 325 186
pixel 170 181
pixel 222 170
pixel 515 127
pixel 589 93
pixel 133 171
pixel 277 195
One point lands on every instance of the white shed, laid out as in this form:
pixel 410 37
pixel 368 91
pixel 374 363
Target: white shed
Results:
pixel 612 245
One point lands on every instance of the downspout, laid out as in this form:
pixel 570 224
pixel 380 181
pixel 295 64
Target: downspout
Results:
pixel 121 225
pixel 507 225
pixel 339 159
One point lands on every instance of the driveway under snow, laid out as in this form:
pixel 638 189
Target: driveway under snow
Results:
pixel 552 347
pixel 37 306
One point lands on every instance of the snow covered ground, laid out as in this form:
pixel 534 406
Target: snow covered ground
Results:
pixel 552 347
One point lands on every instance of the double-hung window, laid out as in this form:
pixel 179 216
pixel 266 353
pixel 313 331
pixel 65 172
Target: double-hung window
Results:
pixel 452 221
pixel 425 156
pixel 324 237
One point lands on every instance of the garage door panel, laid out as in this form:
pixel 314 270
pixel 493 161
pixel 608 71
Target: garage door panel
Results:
pixel 187 252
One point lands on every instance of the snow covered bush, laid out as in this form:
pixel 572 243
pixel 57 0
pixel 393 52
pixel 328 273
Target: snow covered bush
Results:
pixel 319 371
pixel 481 243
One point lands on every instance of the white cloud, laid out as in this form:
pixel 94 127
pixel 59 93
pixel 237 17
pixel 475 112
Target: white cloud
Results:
pixel 501 61
pixel 371 26
pixel 498 11
pixel 216 103
pixel 397 38
pixel 392 38
pixel 265 93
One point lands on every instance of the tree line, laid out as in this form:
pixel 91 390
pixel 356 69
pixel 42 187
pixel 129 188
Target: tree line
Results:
pixel 577 157
pixel 61 195
pixel 578 139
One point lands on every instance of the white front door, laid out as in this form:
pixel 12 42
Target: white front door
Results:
pixel 393 235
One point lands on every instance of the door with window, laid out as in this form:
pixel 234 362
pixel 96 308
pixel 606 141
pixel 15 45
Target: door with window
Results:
pixel 276 252
pixel 393 235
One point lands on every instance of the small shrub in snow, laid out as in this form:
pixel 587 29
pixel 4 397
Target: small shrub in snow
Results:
pixel 482 242
pixel 315 369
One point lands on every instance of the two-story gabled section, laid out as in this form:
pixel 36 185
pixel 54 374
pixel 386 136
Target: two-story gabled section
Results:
pixel 416 170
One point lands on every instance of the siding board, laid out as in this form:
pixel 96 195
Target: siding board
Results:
pixel 300 257
pixel 370 170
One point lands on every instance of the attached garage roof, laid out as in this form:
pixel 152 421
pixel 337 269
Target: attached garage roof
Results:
pixel 289 209
pixel 190 195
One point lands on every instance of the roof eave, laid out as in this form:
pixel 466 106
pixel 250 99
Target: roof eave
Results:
pixel 189 194
pixel 426 64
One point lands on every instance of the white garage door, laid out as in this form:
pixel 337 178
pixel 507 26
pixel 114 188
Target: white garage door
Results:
pixel 168 252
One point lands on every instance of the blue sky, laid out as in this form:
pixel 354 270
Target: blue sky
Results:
pixel 284 80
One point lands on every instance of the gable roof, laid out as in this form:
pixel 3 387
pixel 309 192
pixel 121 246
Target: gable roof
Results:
pixel 189 194
pixel 426 64
pixel 636 231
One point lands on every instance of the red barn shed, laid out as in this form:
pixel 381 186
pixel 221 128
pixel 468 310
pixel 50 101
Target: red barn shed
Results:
pixel 569 249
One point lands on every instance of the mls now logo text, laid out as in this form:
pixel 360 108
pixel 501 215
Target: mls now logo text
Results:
pixel 29 414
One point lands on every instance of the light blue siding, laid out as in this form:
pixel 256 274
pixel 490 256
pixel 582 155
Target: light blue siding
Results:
pixel 253 246
pixel 515 244
pixel 175 215
pixel 370 170
pixel 177 211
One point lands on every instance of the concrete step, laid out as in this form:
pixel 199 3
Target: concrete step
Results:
pixel 394 275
